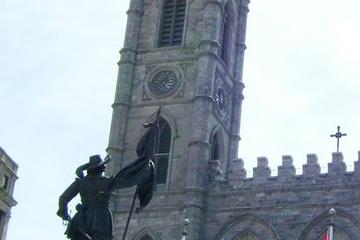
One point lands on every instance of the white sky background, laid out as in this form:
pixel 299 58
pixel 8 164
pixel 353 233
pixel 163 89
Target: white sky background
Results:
pixel 58 71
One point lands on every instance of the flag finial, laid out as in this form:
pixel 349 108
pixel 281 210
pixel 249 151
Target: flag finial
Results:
pixel 184 233
pixel 329 235
pixel 332 213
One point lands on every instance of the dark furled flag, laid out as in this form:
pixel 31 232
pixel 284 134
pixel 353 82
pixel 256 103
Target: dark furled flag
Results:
pixel 142 172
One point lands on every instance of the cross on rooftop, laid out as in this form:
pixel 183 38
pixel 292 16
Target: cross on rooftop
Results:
pixel 338 135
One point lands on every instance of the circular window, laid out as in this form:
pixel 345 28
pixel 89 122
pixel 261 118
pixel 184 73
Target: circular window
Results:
pixel 221 101
pixel 163 83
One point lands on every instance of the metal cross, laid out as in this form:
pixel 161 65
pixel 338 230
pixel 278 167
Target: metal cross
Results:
pixel 338 135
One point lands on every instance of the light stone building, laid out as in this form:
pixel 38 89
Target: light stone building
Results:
pixel 187 56
pixel 8 169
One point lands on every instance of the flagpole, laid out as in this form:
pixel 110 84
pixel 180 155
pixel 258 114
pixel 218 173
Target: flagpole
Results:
pixel 184 232
pixel 332 213
pixel 130 213
pixel 155 149
pixel 136 192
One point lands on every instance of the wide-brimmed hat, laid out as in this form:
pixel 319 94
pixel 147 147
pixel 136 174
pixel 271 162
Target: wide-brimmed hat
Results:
pixel 95 162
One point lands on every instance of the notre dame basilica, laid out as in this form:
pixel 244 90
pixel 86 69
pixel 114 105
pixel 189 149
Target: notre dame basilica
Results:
pixel 187 56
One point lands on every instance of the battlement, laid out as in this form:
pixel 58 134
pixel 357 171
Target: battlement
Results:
pixel 311 174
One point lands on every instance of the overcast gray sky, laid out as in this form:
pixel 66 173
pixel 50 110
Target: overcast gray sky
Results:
pixel 58 71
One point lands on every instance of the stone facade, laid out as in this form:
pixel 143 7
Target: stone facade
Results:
pixel 8 169
pixel 199 86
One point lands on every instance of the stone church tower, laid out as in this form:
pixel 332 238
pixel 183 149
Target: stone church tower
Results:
pixel 187 56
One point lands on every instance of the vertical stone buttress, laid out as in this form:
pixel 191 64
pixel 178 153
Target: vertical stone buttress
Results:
pixel 238 80
pixel 198 149
pixel 124 84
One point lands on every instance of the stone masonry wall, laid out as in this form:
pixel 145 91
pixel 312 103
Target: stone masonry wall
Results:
pixel 287 206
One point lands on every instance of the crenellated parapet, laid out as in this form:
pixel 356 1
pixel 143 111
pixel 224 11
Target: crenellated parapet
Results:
pixel 312 168
pixel 357 167
pixel 287 176
pixel 262 171
pixel 337 168
pixel 287 169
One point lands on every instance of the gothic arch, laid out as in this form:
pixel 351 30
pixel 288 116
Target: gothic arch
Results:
pixel 166 114
pixel 339 234
pixel 217 137
pixel 246 235
pixel 146 232
pixel 345 222
pixel 164 172
pixel 217 155
pixel 247 223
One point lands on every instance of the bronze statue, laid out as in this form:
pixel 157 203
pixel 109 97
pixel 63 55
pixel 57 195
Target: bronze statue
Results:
pixel 93 219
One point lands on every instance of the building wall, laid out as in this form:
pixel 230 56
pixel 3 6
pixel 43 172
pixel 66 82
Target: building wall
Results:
pixel 287 206
pixel 8 170
pixel 214 194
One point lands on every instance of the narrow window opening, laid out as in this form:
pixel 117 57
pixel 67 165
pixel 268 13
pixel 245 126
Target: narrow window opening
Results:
pixel 215 148
pixel 5 182
pixel 227 29
pixel 163 151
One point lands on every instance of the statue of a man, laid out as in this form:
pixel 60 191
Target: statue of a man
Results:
pixel 93 219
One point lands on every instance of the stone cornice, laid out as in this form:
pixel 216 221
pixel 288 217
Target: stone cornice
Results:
pixel 215 2
pixel 123 62
pixel 115 149
pixel 287 206
pixel 120 103
pixel 7 198
pixel 137 12
pixel 199 143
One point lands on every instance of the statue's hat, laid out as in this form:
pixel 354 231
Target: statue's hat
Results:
pixel 95 162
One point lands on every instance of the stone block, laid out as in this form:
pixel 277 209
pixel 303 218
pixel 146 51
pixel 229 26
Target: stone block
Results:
pixel 287 169
pixel 237 170
pixel 337 167
pixel 262 171
pixel 311 168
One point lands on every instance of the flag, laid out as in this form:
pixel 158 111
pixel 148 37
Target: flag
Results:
pixel 329 234
pixel 326 236
pixel 141 172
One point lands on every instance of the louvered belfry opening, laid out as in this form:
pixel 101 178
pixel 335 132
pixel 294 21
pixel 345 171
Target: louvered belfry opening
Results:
pixel 163 150
pixel 172 23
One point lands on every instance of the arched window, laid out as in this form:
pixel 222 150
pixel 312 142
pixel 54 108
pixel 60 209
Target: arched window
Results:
pixel 215 155
pixel 146 237
pixel 216 163
pixel 247 236
pixel 163 150
pixel 172 23
pixel 227 30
